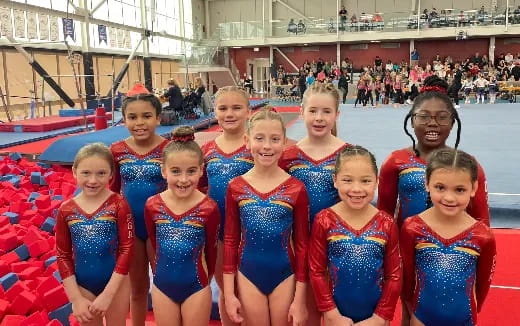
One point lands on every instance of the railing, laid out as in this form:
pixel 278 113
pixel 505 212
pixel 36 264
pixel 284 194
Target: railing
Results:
pixel 373 22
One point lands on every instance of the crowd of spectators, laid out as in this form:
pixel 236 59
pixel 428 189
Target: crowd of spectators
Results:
pixel 400 82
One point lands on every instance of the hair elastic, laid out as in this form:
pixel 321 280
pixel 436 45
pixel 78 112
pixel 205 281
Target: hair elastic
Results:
pixel 433 89
pixel 183 139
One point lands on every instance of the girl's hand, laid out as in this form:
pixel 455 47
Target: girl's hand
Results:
pixel 100 305
pixel 298 314
pixel 80 309
pixel 375 320
pixel 233 309
pixel 334 318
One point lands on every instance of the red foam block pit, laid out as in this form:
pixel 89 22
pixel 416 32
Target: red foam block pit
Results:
pixel 23 302
pixel 55 298
pixel 12 320
pixel 36 319
pixel 46 284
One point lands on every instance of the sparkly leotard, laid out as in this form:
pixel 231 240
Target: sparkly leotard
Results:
pixel 315 174
pixel 93 246
pixel 446 280
pixel 261 229
pixel 137 177
pixel 357 271
pixel 402 177
pixel 220 168
pixel 185 246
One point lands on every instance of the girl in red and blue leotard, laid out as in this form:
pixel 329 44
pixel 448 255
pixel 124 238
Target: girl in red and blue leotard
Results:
pixel 401 182
pixel 312 159
pixel 94 241
pixel 182 223
pixel 225 158
pixel 266 234
pixel 354 262
pixel 448 257
pixel 137 177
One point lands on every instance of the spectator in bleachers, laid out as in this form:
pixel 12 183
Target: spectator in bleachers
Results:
pixel 508 58
pixel 343 16
pixel 515 71
pixel 292 27
pixel 476 59
pixel 378 62
pixel 414 58
pixel 301 27
pixel 389 66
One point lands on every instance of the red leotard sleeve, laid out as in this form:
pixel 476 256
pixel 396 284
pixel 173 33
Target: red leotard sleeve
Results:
pixel 149 222
pixel 301 234
pixel 407 246
pixel 232 234
pixel 318 269
pixel 212 226
pixel 478 207
pixel 64 245
pixel 125 227
pixel 485 269
pixel 387 190
pixel 392 277
pixel 115 183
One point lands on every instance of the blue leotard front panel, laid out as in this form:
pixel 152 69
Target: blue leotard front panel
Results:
pixel 316 175
pixel 412 192
pixel 141 178
pixel 445 280
pixel 266 232
pixel 220 168
pixel 356 269
pixel 180 246
pixel 95 244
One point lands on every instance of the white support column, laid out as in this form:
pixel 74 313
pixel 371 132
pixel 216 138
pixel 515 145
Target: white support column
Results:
pixel 491 52
pixel 269 31
pixel 206 18
pixel 183 42
pixel 412 46
pixel 338 54
pixel 144 25
pixel 85 34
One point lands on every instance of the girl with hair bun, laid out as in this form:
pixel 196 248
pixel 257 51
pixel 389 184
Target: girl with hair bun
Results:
pixel 182 224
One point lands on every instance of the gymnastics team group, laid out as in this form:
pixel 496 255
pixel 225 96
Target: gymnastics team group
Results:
pixel 288 231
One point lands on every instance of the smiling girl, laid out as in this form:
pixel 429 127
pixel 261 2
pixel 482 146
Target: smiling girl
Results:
pixel 402 174
pixel 137 176
pixel 225 158
pixel 448 256
pixel 354 263
pixel 266 234
pixel 182 223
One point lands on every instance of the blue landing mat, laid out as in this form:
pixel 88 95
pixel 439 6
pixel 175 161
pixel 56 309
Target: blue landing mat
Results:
pixel 8 139
pixel 490 132
pixel 63 151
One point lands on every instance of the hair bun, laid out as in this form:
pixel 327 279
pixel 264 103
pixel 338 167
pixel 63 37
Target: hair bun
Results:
pixel 183 134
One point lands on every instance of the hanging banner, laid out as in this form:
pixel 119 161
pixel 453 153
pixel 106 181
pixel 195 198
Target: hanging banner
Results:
pixel 54 27
pixel 128 40
pixel 112 36
pixel 68 28
pixel 5 20
pixel 102 32
pixel 120 36
pixel 19 23
pixel 31 26
pixel 43 22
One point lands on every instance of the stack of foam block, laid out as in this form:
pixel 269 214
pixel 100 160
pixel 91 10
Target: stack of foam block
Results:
pixel 31 290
